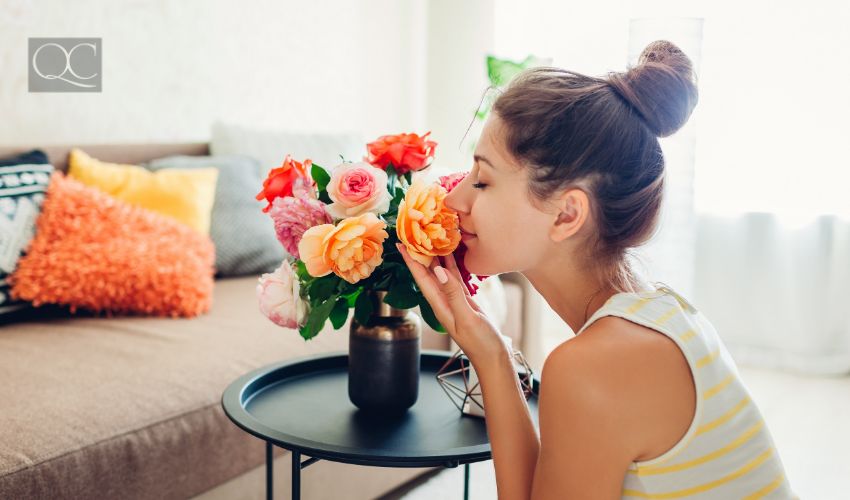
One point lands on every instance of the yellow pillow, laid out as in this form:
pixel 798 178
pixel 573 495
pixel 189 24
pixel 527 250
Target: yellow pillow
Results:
pixel 183 194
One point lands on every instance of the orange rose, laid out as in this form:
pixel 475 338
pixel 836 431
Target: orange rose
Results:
pixel 406 152
pixel 282 180
pixel 352 249
pixel 424 224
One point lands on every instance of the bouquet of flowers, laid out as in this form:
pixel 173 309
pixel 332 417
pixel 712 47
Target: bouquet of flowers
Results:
pixel 340 227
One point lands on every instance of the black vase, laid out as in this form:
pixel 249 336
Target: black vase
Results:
pixel 383 359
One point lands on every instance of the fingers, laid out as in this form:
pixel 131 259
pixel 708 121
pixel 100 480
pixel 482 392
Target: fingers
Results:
pixel 450 300
pixel 427 283
pixel 451 265
pixel 455 270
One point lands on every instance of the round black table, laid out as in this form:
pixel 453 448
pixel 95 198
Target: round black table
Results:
pixel 302 405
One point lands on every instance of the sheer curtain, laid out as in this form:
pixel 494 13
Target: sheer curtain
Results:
pixel 756 225
pixel 771 173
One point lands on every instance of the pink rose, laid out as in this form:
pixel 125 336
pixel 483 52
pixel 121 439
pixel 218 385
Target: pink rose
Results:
pixel 294 215
pixel 450 181
pixel 357 188
pixel 279 295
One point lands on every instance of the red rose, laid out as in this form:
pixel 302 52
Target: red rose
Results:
pixel 280 180
pixel 405 152
pixel 449 182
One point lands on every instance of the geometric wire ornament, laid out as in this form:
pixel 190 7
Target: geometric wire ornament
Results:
pixel 468 398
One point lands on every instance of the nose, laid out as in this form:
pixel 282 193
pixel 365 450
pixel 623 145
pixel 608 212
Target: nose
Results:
pixel 459 198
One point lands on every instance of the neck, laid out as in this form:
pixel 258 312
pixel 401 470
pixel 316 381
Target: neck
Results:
pixel 572 292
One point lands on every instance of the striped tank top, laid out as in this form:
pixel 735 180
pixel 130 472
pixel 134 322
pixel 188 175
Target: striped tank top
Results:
pixel 727 452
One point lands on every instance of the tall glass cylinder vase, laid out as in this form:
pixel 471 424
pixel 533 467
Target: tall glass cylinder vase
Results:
pixel 383 359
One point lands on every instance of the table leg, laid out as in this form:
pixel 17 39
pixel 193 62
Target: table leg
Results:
pixel 269 470
pixel 296 475
pixel 466 482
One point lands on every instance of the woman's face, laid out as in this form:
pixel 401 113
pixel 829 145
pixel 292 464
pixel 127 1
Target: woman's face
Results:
pixel 510 234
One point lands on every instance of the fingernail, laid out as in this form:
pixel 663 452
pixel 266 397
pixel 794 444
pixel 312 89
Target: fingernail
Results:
pixel 442 277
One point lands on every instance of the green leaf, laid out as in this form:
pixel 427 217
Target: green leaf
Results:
pixel 301 271
pixel 363 308
pixel 339 313
pixel 391 176
pixel 383 278
pixel 316 319
pixel 323 287
pixel 429 316
pixel 352 297
pixel 401 295
pixel 321 177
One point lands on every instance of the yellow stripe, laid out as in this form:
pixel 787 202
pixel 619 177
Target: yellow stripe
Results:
pixel 724 418
pixel 637 305
pixel 743 438
pixel 688 335
pixel 767 489
pixel 717 388
pixel 707 486
pixel 707 359
pixel 664 317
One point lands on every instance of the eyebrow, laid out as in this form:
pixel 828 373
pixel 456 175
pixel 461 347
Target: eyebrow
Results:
pixel 481 159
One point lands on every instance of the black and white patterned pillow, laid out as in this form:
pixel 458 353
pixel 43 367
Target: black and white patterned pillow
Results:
pixel 23 185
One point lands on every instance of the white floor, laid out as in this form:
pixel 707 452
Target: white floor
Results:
pixel 808 416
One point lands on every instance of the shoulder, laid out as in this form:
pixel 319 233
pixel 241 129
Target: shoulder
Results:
pixel 596 378
pixel 585 449
pixel 634 376
pixel 597 370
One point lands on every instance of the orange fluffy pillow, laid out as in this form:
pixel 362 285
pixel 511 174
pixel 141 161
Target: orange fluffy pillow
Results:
pixel 95 252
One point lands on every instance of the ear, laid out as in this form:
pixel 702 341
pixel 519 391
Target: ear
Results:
pixel 573 209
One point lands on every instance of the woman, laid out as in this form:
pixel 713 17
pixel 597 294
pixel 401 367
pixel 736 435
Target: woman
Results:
pixel 645 401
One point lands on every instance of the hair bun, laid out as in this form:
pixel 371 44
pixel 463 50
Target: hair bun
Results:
pixel 662 87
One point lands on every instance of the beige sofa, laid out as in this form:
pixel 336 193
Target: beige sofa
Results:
pixel 129 407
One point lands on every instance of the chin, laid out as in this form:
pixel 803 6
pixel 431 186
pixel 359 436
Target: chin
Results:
pixel 476 269
pixel 472 263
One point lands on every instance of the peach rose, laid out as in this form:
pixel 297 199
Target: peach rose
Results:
pixel 356 188
pixel 352 249
pixel 424 224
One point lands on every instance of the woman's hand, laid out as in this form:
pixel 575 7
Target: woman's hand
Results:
pixel 456 310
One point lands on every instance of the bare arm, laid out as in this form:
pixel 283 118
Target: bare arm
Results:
pixel 581 452
pixel 583 449
pixel 510 428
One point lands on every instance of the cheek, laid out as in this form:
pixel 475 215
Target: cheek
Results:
pixel 508 236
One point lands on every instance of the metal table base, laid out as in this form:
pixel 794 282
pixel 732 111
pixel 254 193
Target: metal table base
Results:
pixel 298 465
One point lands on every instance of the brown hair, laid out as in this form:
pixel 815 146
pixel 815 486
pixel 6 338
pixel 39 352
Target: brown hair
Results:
pixel 601 135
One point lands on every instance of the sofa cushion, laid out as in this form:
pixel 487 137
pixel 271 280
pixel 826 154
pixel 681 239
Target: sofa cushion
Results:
pixel 184 195
pixel 130 407
pixel 23 181
pixel 244 236
pixel 270 147
pixel 95 252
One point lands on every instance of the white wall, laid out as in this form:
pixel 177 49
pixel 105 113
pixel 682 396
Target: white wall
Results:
pixel 460 36
pixel 171 68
